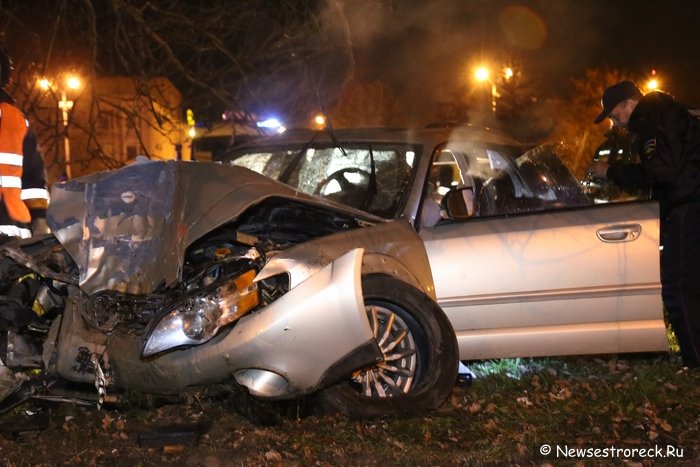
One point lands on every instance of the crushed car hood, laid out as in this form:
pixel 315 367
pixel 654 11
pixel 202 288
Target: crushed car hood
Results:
pixel 128 229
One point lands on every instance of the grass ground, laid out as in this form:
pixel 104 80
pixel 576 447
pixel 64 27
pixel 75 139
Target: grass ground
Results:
pixel 633 409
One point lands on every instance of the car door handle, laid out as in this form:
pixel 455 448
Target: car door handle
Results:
pixel 619 233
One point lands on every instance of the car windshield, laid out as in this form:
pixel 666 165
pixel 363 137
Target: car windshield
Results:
pixel 370 177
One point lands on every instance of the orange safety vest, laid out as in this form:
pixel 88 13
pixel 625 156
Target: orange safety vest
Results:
pixel 13 128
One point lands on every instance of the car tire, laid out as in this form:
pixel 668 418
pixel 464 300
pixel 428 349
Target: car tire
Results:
pixel 421 357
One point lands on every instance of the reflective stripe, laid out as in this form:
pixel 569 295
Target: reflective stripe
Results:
pixel 35 193
pixel 10 158
pixel 14 231
pixel 8 181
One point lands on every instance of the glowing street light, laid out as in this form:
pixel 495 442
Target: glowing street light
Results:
pixel 320 120
pixel 653 82
pixel 508 73
pixel 482 74
pixel 72 83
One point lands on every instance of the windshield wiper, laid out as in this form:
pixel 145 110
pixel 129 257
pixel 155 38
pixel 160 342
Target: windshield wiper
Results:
pixel 372 188
pixel 284 177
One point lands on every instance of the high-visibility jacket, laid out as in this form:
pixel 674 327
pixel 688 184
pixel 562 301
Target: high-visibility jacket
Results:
pixel 22 178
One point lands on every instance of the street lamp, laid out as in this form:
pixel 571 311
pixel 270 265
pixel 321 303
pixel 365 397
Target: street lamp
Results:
pixel 320 121
pixel 653 82
pixel 508 73
pixel 482 74
pixel 69 83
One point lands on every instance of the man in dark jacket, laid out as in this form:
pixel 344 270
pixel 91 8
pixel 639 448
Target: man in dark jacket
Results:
pixel 23 194
pixel 668 139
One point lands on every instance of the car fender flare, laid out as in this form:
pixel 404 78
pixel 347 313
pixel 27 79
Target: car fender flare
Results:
pixel 377 263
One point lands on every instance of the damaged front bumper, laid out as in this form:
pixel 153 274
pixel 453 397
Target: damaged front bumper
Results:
pixel 311 337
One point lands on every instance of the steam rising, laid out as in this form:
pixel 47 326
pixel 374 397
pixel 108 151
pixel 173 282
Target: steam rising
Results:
pixel 423 49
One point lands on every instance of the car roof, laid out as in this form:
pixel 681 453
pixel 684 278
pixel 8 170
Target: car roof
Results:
pixel 429 136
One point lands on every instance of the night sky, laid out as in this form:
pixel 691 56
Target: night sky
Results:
pixel 426 49
pixel 424 46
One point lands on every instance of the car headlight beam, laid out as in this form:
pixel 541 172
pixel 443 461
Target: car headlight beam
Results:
pixel 199 318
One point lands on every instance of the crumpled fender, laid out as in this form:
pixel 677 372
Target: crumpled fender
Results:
pixel 393 248
pixel 287 349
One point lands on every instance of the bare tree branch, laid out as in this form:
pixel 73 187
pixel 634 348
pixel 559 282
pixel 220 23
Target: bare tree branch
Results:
pixel 251 56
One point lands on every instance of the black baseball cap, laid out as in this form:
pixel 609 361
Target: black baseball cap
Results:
pixel 614 95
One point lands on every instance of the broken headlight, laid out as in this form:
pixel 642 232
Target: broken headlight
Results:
pixel 199 317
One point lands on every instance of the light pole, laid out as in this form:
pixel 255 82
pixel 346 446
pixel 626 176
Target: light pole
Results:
pixel 483 75
pixel 70 82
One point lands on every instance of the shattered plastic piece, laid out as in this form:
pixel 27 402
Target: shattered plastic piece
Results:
pixel 464 375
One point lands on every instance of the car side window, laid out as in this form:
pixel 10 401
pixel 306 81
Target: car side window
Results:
pixel 444 174
pixel 503 187
pixel 510 180
pixel 521 183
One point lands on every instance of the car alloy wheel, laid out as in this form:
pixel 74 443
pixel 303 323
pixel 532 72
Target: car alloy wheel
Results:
pixel 420 356
pixel 397 370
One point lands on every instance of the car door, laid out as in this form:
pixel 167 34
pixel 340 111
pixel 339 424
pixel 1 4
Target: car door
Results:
pixel 551 282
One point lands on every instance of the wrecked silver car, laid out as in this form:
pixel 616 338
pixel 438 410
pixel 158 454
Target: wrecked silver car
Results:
pixel 353 269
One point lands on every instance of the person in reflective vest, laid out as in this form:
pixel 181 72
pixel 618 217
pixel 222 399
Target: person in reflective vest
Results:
pixel 23 194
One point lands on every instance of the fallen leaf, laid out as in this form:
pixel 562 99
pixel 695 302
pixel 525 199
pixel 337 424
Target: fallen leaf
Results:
pixel 454 401
pixel 106 422
pixel 490 425
pixel 397 443
pixel 524 401
pixel 273 455
pixel 173 448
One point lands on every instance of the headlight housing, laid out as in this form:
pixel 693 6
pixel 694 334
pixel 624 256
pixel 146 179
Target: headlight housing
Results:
pixel 199 317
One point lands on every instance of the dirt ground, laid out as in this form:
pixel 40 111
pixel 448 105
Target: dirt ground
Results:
pixel 636 404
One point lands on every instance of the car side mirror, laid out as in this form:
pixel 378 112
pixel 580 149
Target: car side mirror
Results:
pixel 459 203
